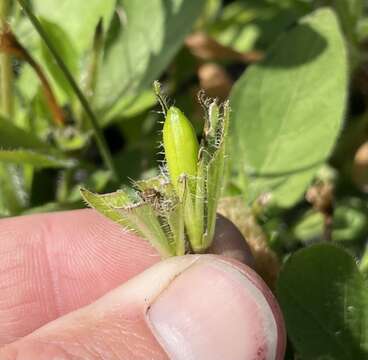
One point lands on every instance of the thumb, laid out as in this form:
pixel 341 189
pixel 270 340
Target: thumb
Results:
pixel 184 308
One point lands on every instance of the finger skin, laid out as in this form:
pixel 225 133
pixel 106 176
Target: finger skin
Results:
pixel 51 264
pixel 114 327
pixel 176 304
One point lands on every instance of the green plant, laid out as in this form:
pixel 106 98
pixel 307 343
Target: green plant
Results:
pixel 77 110
pixel 178 207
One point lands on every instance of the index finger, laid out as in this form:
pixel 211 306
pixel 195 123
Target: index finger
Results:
pixel 51 264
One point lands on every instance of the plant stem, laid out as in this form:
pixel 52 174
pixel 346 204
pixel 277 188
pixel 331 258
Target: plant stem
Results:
pixel 100 140
pixel 13 47
pixel 10 191
pixel 6 68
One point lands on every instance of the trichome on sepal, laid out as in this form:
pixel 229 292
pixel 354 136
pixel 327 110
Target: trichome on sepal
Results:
pixel 176 210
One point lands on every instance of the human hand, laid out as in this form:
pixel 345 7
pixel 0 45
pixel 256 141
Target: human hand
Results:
pixel 70 289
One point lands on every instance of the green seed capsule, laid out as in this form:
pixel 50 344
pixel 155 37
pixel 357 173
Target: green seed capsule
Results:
pixel 180 144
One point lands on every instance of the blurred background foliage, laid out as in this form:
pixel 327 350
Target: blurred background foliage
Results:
pixel 296 73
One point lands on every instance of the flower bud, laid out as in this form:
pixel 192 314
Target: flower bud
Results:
pixel 181 146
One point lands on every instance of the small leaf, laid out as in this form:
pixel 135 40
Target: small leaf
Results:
pixel 36 159
pixel 107 204
pixel 288 109
pixel 324 299
pixel 137 217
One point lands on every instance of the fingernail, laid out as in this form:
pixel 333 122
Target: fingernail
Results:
pixel 214 311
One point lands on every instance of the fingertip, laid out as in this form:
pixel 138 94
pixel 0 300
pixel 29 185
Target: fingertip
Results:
pixel 51 264
pixel 190 307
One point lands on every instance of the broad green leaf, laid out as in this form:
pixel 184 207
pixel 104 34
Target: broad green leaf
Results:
pixel 129 107
pixel 60 39
pixel 12 137
pixel 288 109
pixel 37 159
pixel 253 24
pixel 77 18
pixel 324 299
pixel 140 50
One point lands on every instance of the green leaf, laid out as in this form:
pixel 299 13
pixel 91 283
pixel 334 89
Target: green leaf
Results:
pixel 13 179
pixel 253 24
pixel 350 223
pixel 175 220
pixel 137 217
pixel 12 136
pixel 143 217
pixel 288 109
pixel 36 159
pixel 97 181
pixel 107 204
pixel 65 48
pixel 129 107
pixel 349 12
pixel 140 50
pixel 324 299
pixel 168 207
pixel 77 18
pixel 13 196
